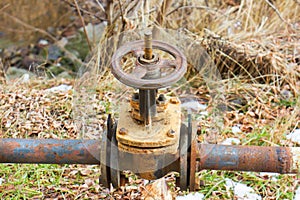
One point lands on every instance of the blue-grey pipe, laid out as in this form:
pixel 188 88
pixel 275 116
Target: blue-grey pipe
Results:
pixel 49 151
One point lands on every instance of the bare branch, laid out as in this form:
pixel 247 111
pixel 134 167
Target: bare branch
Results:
pixel 83 25
pixel 277 12
pixel 161 15
pixel 194 7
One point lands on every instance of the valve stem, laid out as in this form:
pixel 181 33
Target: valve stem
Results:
pixel 148 45
pixel 147 97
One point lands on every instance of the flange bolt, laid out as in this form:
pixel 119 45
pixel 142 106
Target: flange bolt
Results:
pixel 123 131
pixel 171 133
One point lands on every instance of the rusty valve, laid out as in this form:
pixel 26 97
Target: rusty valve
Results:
pixel 152 123
pixel 150 71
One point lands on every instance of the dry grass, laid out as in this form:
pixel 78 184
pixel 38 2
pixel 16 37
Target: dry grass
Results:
pixel 254 84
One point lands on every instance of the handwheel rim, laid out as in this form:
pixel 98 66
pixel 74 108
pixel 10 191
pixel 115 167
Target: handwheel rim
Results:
pixel 173 77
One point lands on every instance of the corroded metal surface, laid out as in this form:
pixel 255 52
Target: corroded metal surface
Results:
pixel 156 136
pixel 137 78
pixel 150 151
pixel 208 156
pixel 148 45
pixel 104 178
pixel 149 166
pixel 109 156
pixel 184 165
pixel 50 151
pixel 147 105
pixel 245 158
pixel 160 106
pixel 192 159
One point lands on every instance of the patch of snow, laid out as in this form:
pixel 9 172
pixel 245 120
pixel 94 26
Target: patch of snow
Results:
pixel 242 191
pixel 43 42
pixel 191 196
pixel 25 78
pixel 271 175
pixel 294 136
pixel 236 129
pixel 229 183
pixel 1 181
pixel 297 194
pixel 231 141
pixel 204 113
pixel 62 88
pixel 201 115
pixel 193 105
pixel 8 124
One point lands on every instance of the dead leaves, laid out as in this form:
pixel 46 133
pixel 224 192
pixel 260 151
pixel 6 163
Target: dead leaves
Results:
pixel 31 111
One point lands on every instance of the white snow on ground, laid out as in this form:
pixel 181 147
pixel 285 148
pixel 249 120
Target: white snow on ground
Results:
pixel 294 136
pixel 270 175
pixel 62 88
pixel 194 105
pixel 231 141
pixel 43 42
pixel 191 196
pixel 204 113
pixel 242 191
pixel 297 194
pixel 25 78
pixel 236 129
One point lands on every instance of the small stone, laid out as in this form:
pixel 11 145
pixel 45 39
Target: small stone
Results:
pixel 16 73
pixel 157 190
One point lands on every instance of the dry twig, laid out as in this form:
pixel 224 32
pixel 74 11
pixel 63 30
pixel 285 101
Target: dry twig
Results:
pixel 83 25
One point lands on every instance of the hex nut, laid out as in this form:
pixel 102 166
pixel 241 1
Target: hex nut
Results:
pixel 123 131
pixel 135 97
pixel 171 133
pixel 174 100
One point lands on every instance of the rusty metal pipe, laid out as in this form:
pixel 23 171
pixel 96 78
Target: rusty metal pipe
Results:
pixel 248 158
pixel 208 156
pixel 49 151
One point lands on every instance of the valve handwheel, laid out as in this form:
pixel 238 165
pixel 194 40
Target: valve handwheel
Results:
pixel 151 73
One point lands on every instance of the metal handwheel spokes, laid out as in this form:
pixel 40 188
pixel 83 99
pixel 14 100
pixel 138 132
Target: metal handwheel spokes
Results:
pixel 149 73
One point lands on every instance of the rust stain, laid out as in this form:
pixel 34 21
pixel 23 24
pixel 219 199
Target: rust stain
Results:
pixel 244 158
pixel 49 151
pixel 284 159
